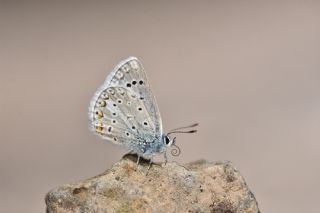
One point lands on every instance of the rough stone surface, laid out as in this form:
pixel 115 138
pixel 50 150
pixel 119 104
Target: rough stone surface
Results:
pixel 195 187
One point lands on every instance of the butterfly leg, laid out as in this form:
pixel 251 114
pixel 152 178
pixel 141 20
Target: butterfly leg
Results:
pixel 149 166
pixel 165 158
pixel 138 159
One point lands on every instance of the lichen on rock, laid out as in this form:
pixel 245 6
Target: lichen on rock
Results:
pixel 195 187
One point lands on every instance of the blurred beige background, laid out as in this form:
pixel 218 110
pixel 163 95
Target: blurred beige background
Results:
pixel 247 71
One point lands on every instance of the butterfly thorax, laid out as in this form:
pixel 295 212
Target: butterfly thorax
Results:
pixel 147 147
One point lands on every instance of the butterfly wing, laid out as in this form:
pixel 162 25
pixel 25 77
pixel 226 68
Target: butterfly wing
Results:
pixel 130 74
pixel 124 109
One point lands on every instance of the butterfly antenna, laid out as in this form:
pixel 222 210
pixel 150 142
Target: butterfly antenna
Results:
pixel 179 130
pixel 184 127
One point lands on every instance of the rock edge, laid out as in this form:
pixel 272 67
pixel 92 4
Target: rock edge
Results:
pixel 195 187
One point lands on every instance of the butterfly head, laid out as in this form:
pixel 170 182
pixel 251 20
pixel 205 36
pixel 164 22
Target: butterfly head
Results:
pixel 175 151
pixel 168 141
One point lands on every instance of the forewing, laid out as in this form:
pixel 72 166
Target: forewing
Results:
pixel 130 74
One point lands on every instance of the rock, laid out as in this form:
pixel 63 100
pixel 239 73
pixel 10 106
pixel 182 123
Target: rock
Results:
pixel 195 187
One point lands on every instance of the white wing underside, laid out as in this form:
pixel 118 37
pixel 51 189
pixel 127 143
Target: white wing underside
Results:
pixel 124 110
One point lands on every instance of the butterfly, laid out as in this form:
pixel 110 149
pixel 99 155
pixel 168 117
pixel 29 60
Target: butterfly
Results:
pixel 124 111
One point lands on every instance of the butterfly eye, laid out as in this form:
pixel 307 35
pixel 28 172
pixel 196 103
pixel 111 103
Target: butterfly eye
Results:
pixel 167 140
